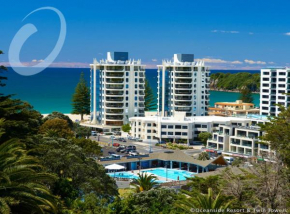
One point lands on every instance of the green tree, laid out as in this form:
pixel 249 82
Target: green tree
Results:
pixel 204 136
pixel 207 202
pixel 203 156
pixel 246 95
pixel 59 115
pixel 81 131
pixel 201 185
pixel 81 98
pixel 153 201
pixel 56 128
pixel 22 183
pixel 150 100
pixel 126 127
pixel 90 148
pixel 2 68
pixel 277 134
pixel 21 120
pixel 144 182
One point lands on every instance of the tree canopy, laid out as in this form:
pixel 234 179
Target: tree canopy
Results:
pixel 204 136
pixel 56 128
pixel 126 127
pixel 246 95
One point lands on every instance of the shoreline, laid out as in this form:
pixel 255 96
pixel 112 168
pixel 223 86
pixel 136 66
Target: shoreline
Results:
pixel 232 91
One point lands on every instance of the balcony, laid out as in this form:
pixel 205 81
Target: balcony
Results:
pixel 114 123
pixel 183 97
pixel 114 74
pixel 183 86
pixel 114 93
pixel 114 86
pixel 115 68
pixel 114 105
pixel 141 111
pixel 114 111
pixel 114 117
pixel 117 80
pixel 141 105
pixel 141 87
pixel 182 109
pixel 183 75
pixel 183 103
pixel 141 75
pixel 114 99
pixel 183 91
pixel 141 81
pixel 141 93
pixel 183 68
pixel 183 80
pixel 141 98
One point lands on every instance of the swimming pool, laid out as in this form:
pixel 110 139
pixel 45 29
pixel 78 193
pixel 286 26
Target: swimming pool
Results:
pixel 127 175
pixel 171 173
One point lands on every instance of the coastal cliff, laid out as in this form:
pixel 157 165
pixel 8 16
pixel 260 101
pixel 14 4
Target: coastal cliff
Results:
pixel 234 82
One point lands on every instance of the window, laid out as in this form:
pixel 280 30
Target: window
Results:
pixel 127 79
pixel 148 131
pixel 136 74
pixel 148 137
pixel 170 133
pixel 163 133
pixel 163 126
pixel 127 74
pixel 184 133
pixel 170 126
pixel 177 133
pixel 149 124
pixel 197 126
pixel 177 127
pixel 204 126
pixel 184 127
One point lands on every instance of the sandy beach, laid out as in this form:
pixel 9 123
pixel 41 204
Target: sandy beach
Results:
pixel 74 117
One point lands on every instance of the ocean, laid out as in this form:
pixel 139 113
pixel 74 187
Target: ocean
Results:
pixel 52 89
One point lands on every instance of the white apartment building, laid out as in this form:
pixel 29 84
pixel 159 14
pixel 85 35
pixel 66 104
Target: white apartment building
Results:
pixel 178 128
pixel 183 86
pixel 117 91
pixel 239 139
pixel 275 82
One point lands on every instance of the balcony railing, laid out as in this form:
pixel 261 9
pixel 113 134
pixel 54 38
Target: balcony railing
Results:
pixel 119 99
pixel 183 75
pixel 114 105
pixel 114 111
pixel 114 92
pixel 183 103
pixel 141 105
pixel 114 117
pixel 183 91
pixel 114 86
pixel 114 74
pixel 115 68
pixel 141 93
pixel 141 98
pixel 141 86
pixel 183 86
pixel 182 109
pixel 114 123
pixel 109 80
pixel 183 81
pixel 183 97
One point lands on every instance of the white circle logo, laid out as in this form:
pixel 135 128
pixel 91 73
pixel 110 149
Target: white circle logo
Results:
pixel 23 34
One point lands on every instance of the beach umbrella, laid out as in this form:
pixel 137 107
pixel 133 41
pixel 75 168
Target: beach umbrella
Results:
pixel 114 167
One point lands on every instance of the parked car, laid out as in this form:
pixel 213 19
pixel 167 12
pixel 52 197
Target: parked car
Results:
pixel 123 140
pixel 229 159
pixel 113 137
pixel 116 144
pixel 131 147
pixel 93 133
pixel 116 156
pixel 133 153
pixel 111 153
pixel 120 148
pixel 123 150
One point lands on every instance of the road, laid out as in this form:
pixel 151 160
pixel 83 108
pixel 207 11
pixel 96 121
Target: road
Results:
pixel 141 147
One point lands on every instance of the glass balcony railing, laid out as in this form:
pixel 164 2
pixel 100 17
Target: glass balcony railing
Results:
pixel 183 97
pixel 182 109
pixel 183 81
pixel 114 111
pixel 114 105
pixel 114 86
pixel 183 75
pixel 114 123
pixel 114 99
pixel 183 91
pixel 114 92
pixel 115 80
pixel 114 74
pixel 183 86
pixel 114 117
pixel 183 103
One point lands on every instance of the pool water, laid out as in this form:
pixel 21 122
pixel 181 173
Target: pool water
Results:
pixel 171 173
pixel 127 175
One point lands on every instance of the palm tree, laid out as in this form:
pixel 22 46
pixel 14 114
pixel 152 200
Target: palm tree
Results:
pixel 144 182
pixel 22 187
pixel 207 202
pixel 203 156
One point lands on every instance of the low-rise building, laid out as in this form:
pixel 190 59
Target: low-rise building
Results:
pixel 239 139
pixel 179 128
pixel 232 109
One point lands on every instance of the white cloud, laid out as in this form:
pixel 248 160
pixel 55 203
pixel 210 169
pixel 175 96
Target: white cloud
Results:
pixel 154 60
pixel 271 63
pixel 287 34
pixel 224 31
pixel 251 62
pixel 220 61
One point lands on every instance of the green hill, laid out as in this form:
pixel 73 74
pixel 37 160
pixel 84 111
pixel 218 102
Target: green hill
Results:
pixel 234 82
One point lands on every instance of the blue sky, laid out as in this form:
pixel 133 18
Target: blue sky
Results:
pixel 227 34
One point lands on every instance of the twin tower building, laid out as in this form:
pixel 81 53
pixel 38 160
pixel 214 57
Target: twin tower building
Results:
pixel 118 89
